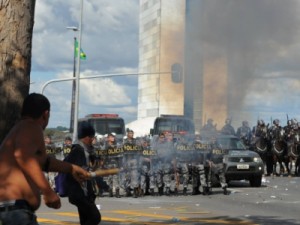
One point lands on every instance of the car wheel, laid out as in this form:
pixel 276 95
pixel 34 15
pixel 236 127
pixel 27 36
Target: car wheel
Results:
pixel 255 181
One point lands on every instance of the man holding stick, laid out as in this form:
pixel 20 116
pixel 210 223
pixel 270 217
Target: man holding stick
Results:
pixel 83 195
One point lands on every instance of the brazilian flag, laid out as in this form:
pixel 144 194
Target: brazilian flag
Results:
pixel 82 54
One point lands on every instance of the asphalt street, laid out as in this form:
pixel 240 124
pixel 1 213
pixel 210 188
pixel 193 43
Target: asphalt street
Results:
pixel 276 202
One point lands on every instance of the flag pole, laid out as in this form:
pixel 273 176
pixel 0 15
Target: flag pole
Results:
pixel 76 108
pixel 73 90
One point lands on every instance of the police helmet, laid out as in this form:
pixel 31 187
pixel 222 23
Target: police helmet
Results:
pixel 228 121
pixel 276 122
pixel 294 121
pixel 260 122
pixel 245 123
pixel 210 121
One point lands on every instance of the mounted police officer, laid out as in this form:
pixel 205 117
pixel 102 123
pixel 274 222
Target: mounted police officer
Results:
pixel 228 128
pixel 244 133
pixel 209 129
pixel 260 134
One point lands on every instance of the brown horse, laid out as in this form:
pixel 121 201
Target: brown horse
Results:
pixel 260 143
pixel 279 150
pixel 293 153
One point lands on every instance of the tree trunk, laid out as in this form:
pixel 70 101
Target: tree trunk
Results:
pixel 16 26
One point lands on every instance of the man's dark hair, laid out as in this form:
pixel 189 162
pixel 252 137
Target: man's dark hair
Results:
pixel 35 105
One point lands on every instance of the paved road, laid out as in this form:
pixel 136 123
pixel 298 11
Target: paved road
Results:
pixel 276 202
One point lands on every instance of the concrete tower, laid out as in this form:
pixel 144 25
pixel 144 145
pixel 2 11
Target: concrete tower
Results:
pixel 170 32
pixel 161 44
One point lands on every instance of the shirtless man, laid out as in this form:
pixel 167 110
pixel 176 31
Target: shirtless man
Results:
pixel 23 160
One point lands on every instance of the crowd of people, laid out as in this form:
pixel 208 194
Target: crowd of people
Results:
pixel 164 165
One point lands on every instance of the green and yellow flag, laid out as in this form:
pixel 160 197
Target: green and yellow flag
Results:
pixel 82 54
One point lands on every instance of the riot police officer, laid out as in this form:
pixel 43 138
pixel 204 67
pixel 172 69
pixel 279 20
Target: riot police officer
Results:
pixel 163 166
pixel 184 154
pixel 216 166
pixel 149 155
pixel 132 164
pixel 113 160
pixel 200 170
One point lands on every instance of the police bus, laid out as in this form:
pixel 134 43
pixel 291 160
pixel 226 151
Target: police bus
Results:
pixel 174 124
pixel 106 123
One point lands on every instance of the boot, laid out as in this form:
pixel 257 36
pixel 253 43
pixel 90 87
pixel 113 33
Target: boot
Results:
pixel 146 192
pixel 152 191
pixel 195 191
pixel 111 192
pixel 128 192
pixel 206 191
pixel 168 192
pixel 175 191
pixel 184 191
pixel 118 193
pixel 225 191
pixel 161 190
pixel 135 192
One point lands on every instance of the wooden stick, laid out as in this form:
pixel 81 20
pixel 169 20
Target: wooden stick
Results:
pixel 104 172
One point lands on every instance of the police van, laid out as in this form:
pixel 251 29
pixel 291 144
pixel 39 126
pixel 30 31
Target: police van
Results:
pixel 106 123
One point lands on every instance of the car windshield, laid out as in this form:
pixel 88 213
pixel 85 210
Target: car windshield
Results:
pixel 230 143
pixel 174 125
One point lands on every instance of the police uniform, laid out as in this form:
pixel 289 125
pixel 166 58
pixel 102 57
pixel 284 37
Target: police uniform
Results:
pixel 164 168
pixel 217 166
pixel 147 174
pixel 114 159
pixel 132 161
pixel 200 171
pixel 184 155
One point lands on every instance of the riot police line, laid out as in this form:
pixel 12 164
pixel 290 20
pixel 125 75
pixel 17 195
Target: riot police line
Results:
pixel 183 163
pixel 161 166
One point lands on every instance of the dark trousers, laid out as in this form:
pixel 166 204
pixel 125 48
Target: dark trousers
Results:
pixel 88 211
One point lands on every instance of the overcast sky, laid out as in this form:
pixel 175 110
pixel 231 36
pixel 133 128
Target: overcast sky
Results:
pixel 264 32
pixel 110 41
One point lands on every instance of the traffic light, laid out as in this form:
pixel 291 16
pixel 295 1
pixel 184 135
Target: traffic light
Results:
pixel 176 71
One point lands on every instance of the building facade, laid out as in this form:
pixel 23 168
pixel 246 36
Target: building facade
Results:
pixel 170 32
pixel 161 44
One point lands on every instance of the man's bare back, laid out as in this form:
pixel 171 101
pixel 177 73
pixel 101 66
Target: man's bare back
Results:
pixel 23 159
pixel 22 155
